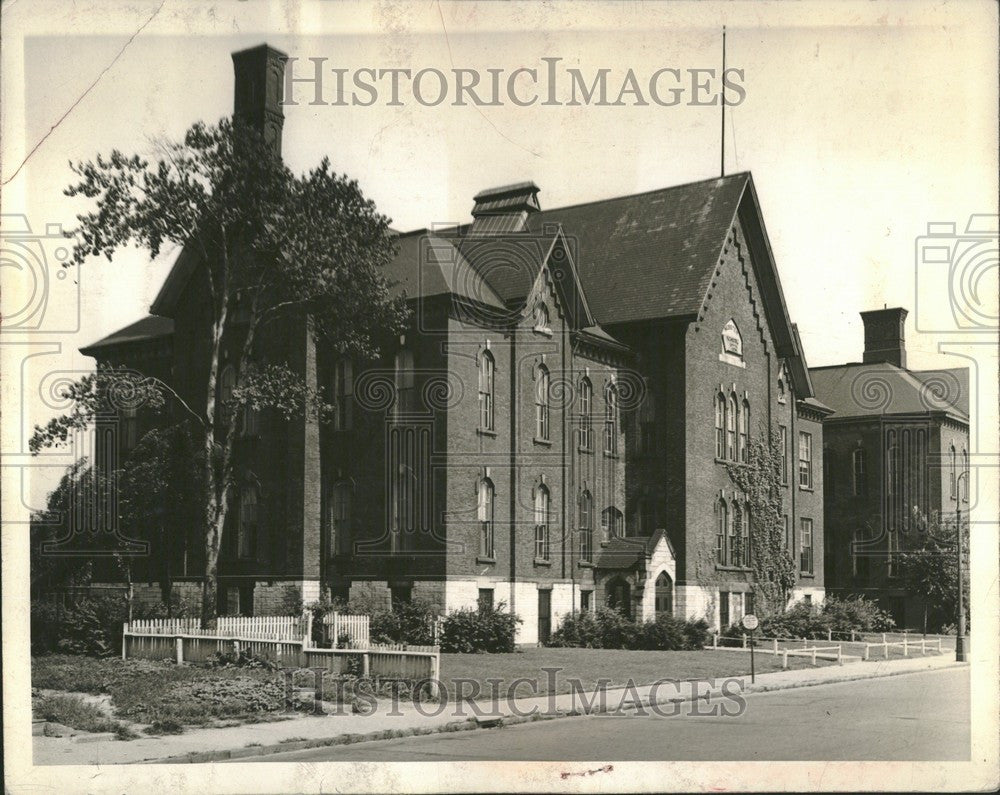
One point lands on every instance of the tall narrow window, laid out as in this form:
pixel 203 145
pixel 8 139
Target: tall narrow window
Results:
pixel 612 522
pixel 735 523
pixel 890 465
pixel 806 546
pixel 745 537
pixel 828 480
pixel 965 469
pixel 805 460
pixel 338 519
pixel 485 511
pixel 342 390
pixel 722 532
pixel 405 516
pixel 745 432
pixel 542 523
pixel 952 475
pixel 783 442
pixel 585 405
pixel 586 527
pixel 860 472
pixel 731 416
pixel 788 534
pixel 647 421
pixel 611 420
pixel 542 403
pixel 248 522
pixel 720 426
pixel 487 369
pixel 404 378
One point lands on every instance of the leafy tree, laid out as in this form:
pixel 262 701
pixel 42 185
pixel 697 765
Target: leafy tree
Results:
pixel 759 479
pixel 928 565
pixel 269 247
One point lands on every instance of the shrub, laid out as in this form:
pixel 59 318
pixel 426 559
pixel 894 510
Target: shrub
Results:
pixel 857 613
pixel 407 622
pixel 609 629
pixel 835 615
pixel 488 629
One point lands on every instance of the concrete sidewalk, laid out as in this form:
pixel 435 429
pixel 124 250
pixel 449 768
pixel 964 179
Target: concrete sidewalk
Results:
pixel 404 719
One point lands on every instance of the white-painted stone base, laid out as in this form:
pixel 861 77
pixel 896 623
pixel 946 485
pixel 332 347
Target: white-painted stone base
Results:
pixel 817 594
pixel 697 601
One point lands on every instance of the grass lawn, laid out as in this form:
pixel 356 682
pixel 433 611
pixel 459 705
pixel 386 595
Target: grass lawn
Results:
pixel 590 665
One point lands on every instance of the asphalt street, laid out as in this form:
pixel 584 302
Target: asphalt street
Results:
pixel 921 716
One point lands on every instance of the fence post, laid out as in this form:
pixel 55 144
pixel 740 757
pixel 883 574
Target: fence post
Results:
pixel 906 649
pixel 435 673
pixel 814 656
pixel 885 649
pixel 829 634
pixel 939 645
pixel 179 643
pixel 744 640
pixel 715 641
pixel 307 641
pixel 775 647
pixel 883 637
pixel 840 654
pixel 784 659
pixel 365 663
pixel 867 650
pixel 852 636
pixel 923 646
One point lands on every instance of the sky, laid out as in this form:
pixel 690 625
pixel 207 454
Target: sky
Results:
pixel 861 124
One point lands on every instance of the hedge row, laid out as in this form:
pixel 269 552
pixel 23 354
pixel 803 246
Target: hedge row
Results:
pixel 609 629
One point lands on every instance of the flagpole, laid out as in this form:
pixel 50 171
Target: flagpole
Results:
pixel 722 154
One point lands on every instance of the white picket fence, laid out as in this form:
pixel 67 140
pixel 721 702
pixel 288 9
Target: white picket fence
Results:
pixel 336 625
pixel 286 640
pixel 259 627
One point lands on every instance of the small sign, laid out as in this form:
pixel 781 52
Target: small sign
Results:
pixel 750 622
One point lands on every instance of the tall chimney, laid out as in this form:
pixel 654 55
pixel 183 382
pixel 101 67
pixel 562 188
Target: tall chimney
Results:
pixel 884 336
pixel 260 76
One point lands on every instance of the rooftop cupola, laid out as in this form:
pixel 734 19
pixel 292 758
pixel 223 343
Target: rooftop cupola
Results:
pixel 504 209
pixel 885 340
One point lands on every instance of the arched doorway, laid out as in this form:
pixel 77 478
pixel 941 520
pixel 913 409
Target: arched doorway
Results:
pixel 664 594
pixel 619 596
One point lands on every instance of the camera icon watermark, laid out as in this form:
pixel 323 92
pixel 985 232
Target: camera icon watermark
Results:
pixel 42 291
pixel 956 276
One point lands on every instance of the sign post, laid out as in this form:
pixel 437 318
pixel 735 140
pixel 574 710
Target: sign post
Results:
pixel 750 624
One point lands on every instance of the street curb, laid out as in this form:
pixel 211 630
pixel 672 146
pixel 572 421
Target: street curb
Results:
pixel 471 724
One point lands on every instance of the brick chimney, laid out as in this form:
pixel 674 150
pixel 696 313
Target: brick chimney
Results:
pixel 885 340
pixel 260 76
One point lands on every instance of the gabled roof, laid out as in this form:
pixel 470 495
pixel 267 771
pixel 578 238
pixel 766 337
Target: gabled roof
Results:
pixel 880 388
pixel 150 327
pixel 627 552
pixel 427 265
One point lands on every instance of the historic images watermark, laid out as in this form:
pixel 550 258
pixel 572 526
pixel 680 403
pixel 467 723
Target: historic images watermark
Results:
pixel 524 697
pixel 550 83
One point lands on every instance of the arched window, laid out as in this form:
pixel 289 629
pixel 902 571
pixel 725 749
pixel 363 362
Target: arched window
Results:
pixel 485 513
pixel 720 426
pixel 860 472
pixel 404 381
pixel 227 383
pixel 645 518
pixel 781 390
pixel 247 532
pixel 965 469
pixel 612 523
pixel 586 527
pixel 487 368
pixel 664 594
pixel 731 416
pixel 611 420
pixel 405 516
pixel 952 475
pixel 542 523
pixel 721 532
pixel 735 525
pixel 745 432
pixel 585 405
pixel 338 519
pixel 542 403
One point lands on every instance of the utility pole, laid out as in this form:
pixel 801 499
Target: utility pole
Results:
pixel 960 655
